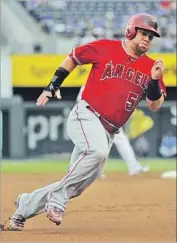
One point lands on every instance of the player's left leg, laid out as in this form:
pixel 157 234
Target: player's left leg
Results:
pixel 126 151
pixel 101 174
pixel 92 143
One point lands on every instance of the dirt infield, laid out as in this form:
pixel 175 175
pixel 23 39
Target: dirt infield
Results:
pixel 120 208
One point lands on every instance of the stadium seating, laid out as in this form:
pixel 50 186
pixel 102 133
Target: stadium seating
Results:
pixel 66 16
pixel 101 18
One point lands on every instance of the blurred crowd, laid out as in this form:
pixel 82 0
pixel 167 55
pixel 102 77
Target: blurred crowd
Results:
pixel 87 20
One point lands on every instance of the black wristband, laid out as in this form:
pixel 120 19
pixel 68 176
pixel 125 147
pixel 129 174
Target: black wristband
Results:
pixel 57 80
pixel 59 76
pixel 153 91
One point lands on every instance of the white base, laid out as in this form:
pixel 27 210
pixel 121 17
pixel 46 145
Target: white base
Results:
pixel 169 174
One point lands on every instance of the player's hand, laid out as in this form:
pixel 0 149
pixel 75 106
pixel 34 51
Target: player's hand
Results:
pixel 157 69
pixel 46 95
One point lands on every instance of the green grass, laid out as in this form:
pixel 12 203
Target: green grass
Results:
pixel 40 166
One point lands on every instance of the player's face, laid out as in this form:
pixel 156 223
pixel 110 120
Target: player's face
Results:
pixel 142 41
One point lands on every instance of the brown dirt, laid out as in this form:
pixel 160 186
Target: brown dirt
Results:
pixel 119 208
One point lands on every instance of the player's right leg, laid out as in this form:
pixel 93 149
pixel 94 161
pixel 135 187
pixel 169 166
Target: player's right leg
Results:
pixel 29 205
pixel 32 204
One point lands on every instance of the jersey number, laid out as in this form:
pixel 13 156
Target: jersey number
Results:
pixel 131 101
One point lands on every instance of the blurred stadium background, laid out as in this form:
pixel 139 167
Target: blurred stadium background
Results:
pixel 36 35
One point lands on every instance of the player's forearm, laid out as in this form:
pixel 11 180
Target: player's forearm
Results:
pixel 65 68
pixel 155 97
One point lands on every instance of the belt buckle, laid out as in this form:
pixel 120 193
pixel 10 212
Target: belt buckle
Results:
pixel 113 129
pixel 116 131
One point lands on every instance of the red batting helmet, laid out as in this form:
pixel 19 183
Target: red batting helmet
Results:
pixel 142 21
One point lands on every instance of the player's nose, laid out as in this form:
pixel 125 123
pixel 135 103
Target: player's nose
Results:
pixel 146 38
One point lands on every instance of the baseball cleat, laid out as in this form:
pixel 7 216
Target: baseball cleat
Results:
pixel 17 222
pixel 55 215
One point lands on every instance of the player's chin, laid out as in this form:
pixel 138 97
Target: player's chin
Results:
pixel 143 48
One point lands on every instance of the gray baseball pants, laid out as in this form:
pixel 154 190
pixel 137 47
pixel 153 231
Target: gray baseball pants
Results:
pixel 92 147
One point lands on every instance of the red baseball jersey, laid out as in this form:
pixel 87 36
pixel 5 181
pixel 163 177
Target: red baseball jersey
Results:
pixel 117 82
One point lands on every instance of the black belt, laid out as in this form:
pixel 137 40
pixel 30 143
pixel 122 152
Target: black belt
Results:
pixel 106 124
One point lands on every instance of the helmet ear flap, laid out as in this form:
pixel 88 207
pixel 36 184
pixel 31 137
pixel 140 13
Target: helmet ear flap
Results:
pixel 130 32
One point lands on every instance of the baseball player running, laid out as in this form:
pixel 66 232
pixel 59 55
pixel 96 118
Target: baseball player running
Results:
pixel 121 75
pixel 124 148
